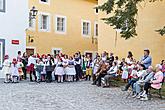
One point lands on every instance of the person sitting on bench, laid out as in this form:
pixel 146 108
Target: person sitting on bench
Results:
pixel 111 73
pixel 102 71
pixel 155 83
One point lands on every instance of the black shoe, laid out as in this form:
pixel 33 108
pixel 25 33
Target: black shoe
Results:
pixel 93 83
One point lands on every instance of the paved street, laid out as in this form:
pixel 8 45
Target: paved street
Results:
pixel 69 96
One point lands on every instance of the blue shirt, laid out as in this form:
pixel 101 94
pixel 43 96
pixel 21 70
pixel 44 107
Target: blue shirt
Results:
pixel 147 61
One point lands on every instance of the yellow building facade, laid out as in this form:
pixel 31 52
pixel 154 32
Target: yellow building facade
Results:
pixel 63 25
pixel 150 18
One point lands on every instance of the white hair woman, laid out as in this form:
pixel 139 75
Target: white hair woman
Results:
pixel 155 83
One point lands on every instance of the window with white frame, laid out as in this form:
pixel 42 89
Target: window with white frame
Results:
pixel 60 24
pixel 2 5
pixel 96 10
pixel 56 51
pixel 44 1
pixel 44 22
pixel 86 25
pixel 96 29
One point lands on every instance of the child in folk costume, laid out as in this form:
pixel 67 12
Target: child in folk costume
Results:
pixel 83 65
pixel 6 69
pixel 96 65
pixel 125 71
pixel 65 65
pixel 88 68
pixel 77 63
pixel 20 66
pixel 39 69
pixel 70 69
pixel 59 70
pixel 14 71
pixel 49 69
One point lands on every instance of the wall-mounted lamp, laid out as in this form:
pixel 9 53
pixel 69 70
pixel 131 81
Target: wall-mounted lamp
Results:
pixel 30 39
pixel 33 13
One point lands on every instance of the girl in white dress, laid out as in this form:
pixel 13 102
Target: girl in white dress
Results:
pixel 65 65
pixel 125 72
pixel 14 71
pixel 20 66
pixel 70 69
pixel 59 70
pixel 6 69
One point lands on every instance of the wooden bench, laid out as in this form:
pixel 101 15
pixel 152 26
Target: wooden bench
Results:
pixel 114 81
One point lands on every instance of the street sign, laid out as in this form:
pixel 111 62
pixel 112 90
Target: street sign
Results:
pixel 16 42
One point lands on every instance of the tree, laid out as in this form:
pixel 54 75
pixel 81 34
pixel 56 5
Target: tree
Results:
pixel 122 15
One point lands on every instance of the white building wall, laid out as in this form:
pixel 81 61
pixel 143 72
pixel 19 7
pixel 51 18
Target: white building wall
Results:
pixel 13 23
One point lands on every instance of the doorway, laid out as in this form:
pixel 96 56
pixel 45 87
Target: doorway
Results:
pixel 89 53
pixel 30 51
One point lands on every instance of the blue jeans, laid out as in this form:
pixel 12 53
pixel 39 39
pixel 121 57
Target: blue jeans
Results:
pixel 131 83
pixel 136 88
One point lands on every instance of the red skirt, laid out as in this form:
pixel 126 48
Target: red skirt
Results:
pixel 30 68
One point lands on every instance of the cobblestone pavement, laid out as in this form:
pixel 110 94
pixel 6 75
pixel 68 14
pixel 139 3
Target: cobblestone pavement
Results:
pixel 70 96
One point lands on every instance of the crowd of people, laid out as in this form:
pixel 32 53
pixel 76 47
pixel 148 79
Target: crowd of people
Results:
pixel 140 75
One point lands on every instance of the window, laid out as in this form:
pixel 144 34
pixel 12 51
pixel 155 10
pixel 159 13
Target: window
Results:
pixel 2 5
pixel 32 24
pixel 96 29
pixel 96 10
pixel 86 25
pixel 44 1
pixel 60 25
pixel 44 22
pixel 56 51
pixel 2 51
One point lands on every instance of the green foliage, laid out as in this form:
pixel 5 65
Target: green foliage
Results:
pixel 122 15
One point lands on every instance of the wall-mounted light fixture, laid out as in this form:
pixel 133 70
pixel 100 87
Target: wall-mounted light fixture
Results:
pixel 30 39
pixel 33 13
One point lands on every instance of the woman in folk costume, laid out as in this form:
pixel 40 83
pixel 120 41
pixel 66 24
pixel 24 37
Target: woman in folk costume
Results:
pixel 88 68
pixel 20 70
pixel 70 69
pixel 59 70
pixel 65 65
pixel 77 63
pixel 25 62
pixel 129 58
pixel 30 67
pixel 43 72
pixel 96 65
pixel 49 69
pixel 14 71
pixel 6 69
